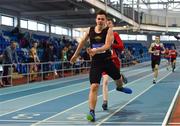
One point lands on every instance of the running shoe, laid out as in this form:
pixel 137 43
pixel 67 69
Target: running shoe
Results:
pixel 91 117
pixel 124 89
pixel 154 81
pixel 104 106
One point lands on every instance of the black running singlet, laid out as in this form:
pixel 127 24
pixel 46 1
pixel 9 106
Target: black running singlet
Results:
pixel 98 40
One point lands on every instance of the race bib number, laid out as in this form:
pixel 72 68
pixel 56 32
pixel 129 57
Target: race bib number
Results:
pixel 98 45
pixel 157 53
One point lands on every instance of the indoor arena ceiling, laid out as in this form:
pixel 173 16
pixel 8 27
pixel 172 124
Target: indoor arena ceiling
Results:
pixel 71 13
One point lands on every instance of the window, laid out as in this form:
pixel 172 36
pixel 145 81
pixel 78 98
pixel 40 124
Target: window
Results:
pixel 172 38
pixel 131 37
pixel 41 27
pixel 7 20
pixel 58 30
pixel 24 24
pixel 124 36
pixel 53 29
pixel 76 33
pixel 164 38
pixel 32 25
pixel 142 37
pixel 64 31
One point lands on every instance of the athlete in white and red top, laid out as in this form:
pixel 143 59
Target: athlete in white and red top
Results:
pixel 156 49
pixel 173 55
pixel 117 48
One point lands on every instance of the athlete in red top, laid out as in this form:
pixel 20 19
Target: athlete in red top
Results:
pixel 173 55
pixel 117 48
pixel 167 57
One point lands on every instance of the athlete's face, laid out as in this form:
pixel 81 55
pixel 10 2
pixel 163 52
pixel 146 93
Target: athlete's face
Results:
pixel 110 24
pixel 157 39
pixel 101 20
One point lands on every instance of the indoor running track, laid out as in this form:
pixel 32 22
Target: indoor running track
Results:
pixel 64 102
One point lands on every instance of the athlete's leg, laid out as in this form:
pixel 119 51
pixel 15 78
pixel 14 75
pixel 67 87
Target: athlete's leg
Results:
pixel 92 101
pixel 155 73
pixel 105 91
pixel 95 77
pixel 93 95
pixel 168 64
pixel 114 73
pixel 173 64
pixel 117 63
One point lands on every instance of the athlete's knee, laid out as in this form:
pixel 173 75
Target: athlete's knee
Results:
pixel 156 67
pixel 94 87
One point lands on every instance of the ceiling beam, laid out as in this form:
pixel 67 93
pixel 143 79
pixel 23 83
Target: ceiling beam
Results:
pixel 9 12
pixel 47 1
pixel 56 12
pixel 161 2
pixel 111 11
pixel 74 20
pixel 13 1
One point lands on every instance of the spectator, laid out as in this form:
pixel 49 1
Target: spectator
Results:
pixel 9 57
pixel 33 59
pixel 49 56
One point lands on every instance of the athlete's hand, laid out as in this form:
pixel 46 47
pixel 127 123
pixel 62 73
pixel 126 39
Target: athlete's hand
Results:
pixel 91 52
pixel 73 59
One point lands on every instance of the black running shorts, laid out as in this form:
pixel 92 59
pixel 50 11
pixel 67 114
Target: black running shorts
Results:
pixel 98 67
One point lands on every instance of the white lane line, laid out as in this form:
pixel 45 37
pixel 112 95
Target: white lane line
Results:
pixel 87 101
pixel 130 101
pixel 44 101
pixel 170 108
pixel 49 83
pixel 19 98
pixel 26 96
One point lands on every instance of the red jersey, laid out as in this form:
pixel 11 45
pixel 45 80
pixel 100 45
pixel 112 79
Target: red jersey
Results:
pixel 173 53
pixel 166 54
pixel 117 47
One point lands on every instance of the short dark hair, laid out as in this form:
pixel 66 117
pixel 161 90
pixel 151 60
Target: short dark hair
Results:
pixel 110 19
pixel 101 12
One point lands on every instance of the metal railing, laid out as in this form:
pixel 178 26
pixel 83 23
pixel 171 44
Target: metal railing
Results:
pixel 25 73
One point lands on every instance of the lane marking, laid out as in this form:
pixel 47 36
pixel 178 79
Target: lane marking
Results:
pixel 130 101
pixel 170 107
pixel 48 83
pixel 44 120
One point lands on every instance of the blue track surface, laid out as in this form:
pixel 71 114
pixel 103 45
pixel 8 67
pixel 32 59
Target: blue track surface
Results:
pixel 64 102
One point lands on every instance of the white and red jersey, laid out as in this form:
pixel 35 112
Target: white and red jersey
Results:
pixel 173 53
pixel 157 48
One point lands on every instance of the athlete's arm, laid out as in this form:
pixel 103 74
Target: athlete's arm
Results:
pixel 150 48
pixel 119 44
pixel 80 46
